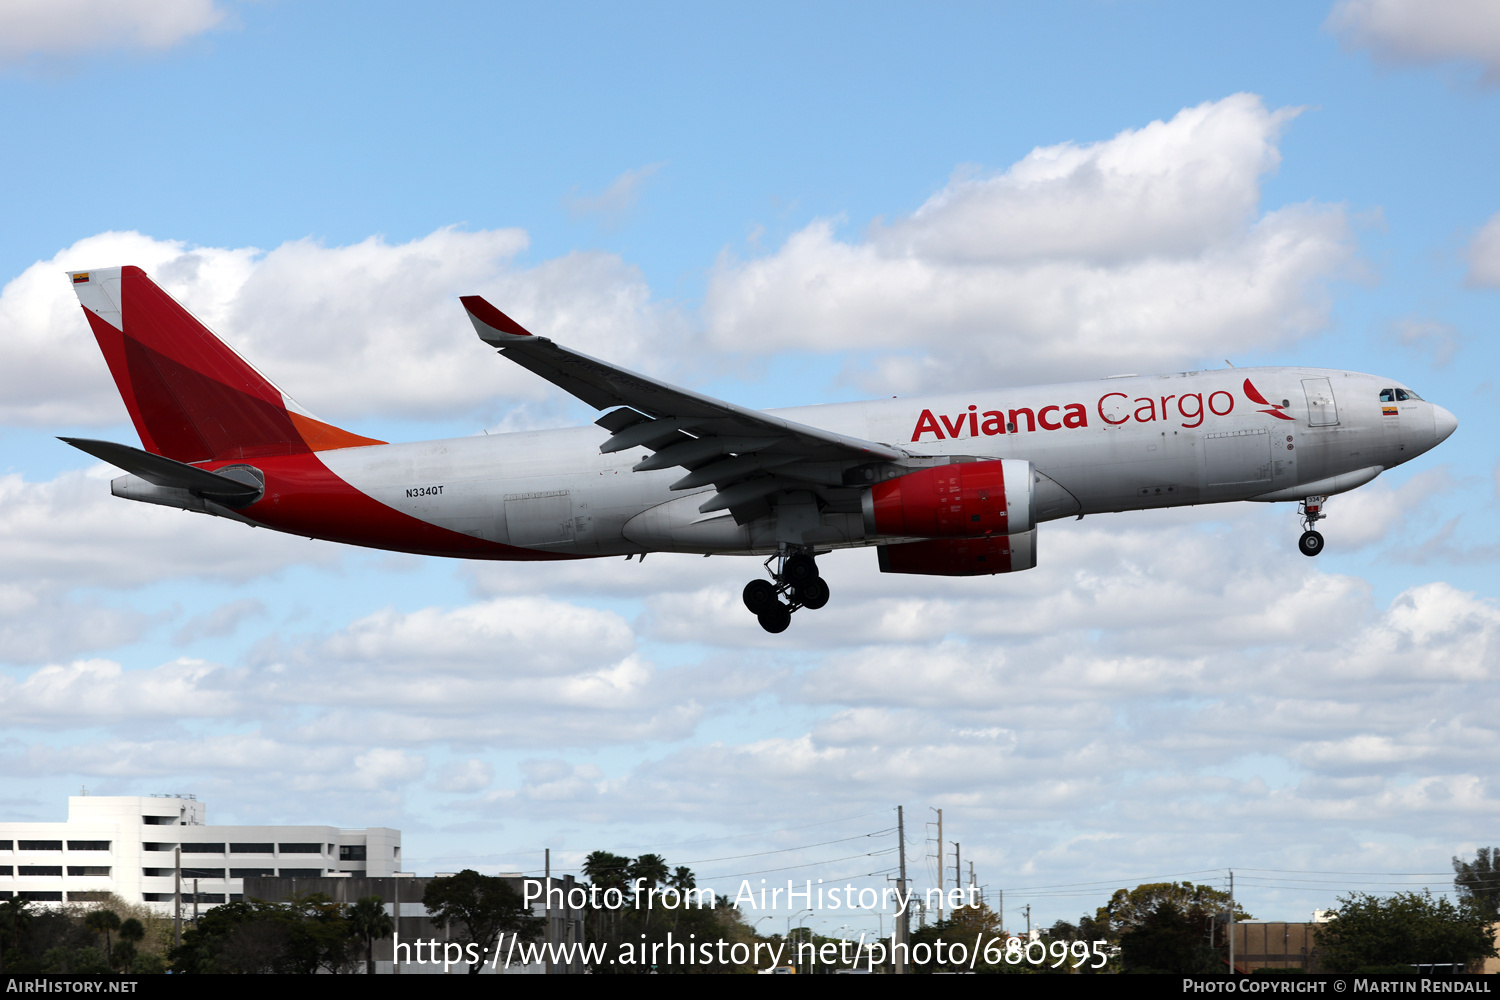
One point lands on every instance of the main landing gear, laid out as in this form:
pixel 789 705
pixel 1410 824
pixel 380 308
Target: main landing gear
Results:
pixel 1311 512
pixel 796 578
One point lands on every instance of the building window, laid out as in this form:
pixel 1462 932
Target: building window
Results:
pixel 252 848
pixel 203 873
pixel 91 896
pixel 300 848
pixel 202 848
pixel 6 870
pixel 158 847
pixel 352 852
pixel 301 873
pixel 41 897
pixel 86 870
pixel 88 845
pixel 158 897
pixel 7 845
pixel 159 820
pixel 41 845
pixel 39 871
pixel 252 872
pixel 157 872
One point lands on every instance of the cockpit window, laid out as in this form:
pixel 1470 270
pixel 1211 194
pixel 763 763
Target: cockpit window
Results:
pixel 1410 393
pixel 1387 395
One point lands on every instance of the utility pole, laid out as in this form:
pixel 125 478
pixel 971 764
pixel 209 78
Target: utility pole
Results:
pixel 940 864
pixel 177 896
pixel 957 867
pixel 903 919
pixel 1231 921
pixel 1028 921
pixel 1002 908
pixel 546 905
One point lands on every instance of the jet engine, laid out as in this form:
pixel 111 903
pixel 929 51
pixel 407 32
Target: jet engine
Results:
pixel 961 556
pixel 979 499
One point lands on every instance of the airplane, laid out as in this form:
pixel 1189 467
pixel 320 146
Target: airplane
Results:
pixel 949 485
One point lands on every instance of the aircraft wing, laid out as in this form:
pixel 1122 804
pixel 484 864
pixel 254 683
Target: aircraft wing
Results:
pixel 745 454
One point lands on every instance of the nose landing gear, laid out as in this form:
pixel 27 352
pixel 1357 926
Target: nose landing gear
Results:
pixel 795 578
pixel 1311 512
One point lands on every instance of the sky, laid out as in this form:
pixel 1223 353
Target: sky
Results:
pixel 776 204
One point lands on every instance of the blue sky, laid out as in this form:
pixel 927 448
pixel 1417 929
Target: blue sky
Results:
pixel 670 186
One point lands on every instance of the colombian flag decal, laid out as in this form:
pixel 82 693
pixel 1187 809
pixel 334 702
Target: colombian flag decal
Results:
pixel 1389 411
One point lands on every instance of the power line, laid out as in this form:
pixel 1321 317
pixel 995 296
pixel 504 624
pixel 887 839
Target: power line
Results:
pixel 784 850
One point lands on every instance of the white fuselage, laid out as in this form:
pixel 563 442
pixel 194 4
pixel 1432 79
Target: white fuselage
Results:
pixel 1111 445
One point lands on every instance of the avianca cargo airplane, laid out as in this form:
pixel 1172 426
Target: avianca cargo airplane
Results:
pixel 950 485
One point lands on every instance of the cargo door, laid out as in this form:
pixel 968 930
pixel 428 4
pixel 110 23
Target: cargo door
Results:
pixel 542 519
pixel 1237 458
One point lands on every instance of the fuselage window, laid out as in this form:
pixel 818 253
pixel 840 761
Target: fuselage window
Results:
pixel 1402 395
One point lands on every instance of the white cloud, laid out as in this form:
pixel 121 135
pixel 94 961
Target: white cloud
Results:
pixel 71 531
pixel 90 692
pixel 1423 31
pixel 1429 339
pixel 470 775
pixel 1136 253
pixel 372 328
pixel 1484 256
pixel 616 200
pixel 66 27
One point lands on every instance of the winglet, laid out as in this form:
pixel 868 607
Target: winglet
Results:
pixel 492 325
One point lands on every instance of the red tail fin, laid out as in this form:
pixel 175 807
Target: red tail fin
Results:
pixel 192 398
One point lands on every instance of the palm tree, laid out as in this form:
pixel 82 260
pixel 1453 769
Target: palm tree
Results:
pixel 102 922
pixel 607 871
pixel 368 920
pixel 646 872
pixel 14 916
pixel 132 932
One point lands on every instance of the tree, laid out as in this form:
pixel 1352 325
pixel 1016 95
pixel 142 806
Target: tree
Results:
pixel 485 906
pixel 1478 881
pixel 1129 908
pixel 368 920
pixel 14 916
pixel 1170 938
pixel 298 937
pixel 1372 932
pixel 132 931
pixel 103 922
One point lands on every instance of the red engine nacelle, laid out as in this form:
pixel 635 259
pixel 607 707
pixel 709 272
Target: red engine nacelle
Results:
pixel 962 500
pixel 961 556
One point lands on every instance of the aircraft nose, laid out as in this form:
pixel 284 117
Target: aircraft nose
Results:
pixel 1443 423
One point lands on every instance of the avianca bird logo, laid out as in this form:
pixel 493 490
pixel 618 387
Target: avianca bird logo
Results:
pixel 1256 397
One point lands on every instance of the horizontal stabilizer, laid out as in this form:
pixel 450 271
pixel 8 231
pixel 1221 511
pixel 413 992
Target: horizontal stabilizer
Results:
pixel 158 470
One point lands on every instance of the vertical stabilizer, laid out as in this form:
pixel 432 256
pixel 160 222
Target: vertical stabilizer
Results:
pixel 190 396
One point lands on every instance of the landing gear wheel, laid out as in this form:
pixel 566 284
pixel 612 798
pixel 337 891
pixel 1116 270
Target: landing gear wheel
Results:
pixel 759 595
pixel 799 569
pixel 1311 543
pixel 775 618
pixel 813 594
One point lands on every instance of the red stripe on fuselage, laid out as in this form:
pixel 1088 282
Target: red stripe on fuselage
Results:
pixel 304 497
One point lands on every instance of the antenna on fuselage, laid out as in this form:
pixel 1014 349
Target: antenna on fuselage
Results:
pixel 1229 363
